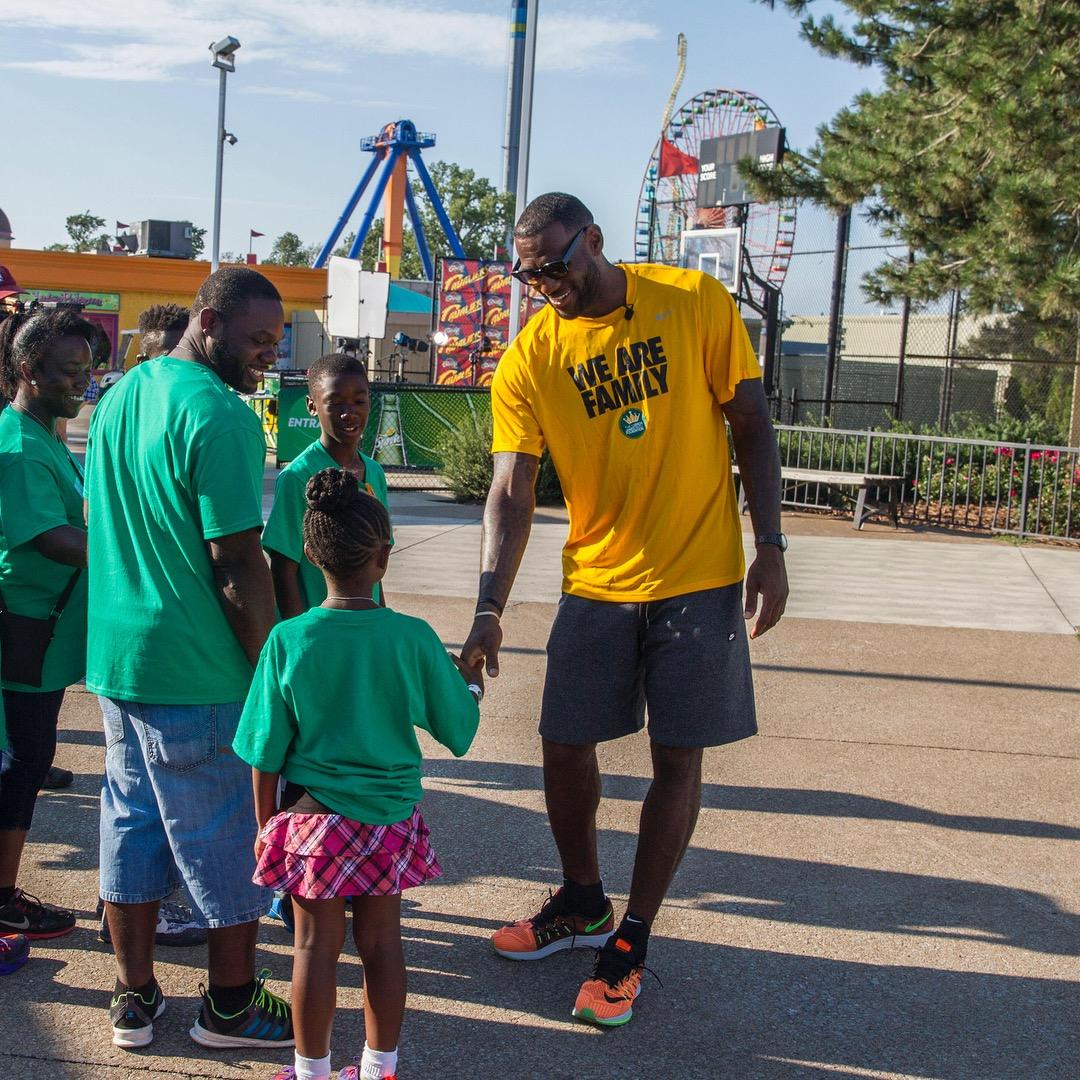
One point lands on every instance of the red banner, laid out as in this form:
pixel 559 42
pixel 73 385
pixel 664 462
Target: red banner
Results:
pixel 461 274
pixel 474 310
pixel 461 307
pixel 498 279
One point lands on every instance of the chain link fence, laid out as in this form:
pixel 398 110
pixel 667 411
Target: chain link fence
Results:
pixel 934 367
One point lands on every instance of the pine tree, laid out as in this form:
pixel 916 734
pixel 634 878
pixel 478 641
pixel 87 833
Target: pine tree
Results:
pixel 969 154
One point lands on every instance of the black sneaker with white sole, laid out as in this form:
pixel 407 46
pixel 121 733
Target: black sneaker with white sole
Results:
pixel 266 1020
pixel 176 926
pixel 133 1017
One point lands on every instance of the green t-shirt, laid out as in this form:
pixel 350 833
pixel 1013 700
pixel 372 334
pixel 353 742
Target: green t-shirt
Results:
pixel 335 702
pixel 41 488
pixel 174 458
pixel 284 532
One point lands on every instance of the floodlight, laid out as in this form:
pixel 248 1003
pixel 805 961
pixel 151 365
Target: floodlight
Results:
pixel 230 138
pixel 224 53
pixel 412 344
pixel 440 337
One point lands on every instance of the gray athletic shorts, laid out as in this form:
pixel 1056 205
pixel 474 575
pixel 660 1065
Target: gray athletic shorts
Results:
pixel 685 660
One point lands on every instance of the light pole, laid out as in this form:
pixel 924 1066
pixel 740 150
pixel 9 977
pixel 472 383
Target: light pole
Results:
pixel 521 169
pixel 224 59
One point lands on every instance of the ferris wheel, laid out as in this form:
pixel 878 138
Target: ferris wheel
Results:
pixel 668 204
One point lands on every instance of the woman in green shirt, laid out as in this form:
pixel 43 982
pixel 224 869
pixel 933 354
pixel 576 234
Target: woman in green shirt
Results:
pixel 44 372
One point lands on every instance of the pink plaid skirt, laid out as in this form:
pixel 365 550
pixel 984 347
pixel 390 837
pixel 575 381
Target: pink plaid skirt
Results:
pixel 321 856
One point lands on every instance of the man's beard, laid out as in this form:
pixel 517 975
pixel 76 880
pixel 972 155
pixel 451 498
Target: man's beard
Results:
pixel 226 365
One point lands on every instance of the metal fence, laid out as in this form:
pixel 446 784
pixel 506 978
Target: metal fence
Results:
pixel 1018 489
pixel 935 366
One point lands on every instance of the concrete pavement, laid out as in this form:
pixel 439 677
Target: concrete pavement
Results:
pixel 882 884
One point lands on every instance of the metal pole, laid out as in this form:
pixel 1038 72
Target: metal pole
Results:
pixel 901 359
pixel 525 135
pixel 836 307
pixel 772 305
pixel 215 246
pixel 519 20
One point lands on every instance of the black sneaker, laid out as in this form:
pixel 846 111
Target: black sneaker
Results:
pixel 266 1021
pixel 57 778
pixel 27 915
pixel 176 926
pixel 133 1017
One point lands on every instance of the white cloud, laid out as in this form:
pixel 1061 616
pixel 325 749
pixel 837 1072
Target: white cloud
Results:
pixel 152 40
pixel 294 93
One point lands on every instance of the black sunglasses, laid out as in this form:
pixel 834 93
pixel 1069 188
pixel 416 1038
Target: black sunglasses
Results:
pixel 554 270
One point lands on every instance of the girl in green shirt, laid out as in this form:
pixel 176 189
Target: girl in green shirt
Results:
pixel 337 695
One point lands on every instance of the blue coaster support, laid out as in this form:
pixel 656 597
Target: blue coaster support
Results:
pixel 394 141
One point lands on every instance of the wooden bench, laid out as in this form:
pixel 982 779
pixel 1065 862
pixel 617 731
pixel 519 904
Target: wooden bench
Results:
pixel 864 506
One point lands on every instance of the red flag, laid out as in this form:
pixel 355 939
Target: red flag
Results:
pixel 673 162
pixel 254 233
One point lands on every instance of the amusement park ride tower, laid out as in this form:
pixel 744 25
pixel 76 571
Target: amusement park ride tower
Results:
pixel 393 148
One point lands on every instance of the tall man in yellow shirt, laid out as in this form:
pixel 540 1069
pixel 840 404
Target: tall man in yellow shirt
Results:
pixel 627 378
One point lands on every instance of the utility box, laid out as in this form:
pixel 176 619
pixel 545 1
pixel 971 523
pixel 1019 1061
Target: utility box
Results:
pixel 159 239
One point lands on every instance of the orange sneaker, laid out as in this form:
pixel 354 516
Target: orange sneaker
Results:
pixel 552 929
pixel 607 996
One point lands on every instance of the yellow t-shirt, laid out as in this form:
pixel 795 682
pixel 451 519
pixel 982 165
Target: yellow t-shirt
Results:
pixel 630 410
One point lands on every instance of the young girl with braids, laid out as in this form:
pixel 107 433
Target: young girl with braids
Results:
pixel 333 707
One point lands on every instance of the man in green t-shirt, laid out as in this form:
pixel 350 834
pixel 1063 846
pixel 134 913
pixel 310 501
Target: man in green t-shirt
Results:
pixel 180 604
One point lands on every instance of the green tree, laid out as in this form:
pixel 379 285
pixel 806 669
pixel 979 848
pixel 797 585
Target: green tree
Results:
pixel 1040 383
pixel 198 241
pixel 969 153
pixel 84 231
pixel 290 250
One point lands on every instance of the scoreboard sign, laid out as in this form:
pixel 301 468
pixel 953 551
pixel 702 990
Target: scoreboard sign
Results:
pixel 719 181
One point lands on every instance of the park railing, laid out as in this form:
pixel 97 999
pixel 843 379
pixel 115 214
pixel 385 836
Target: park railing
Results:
pixel 1018 489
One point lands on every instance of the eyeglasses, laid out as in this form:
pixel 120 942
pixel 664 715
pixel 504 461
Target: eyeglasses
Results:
pixel 555 270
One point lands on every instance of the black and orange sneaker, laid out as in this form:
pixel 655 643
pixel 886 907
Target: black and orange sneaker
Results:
pixel 552 929
pixel 607 997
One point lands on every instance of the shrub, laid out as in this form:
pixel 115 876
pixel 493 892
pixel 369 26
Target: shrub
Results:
pixel 468 468
pixel 466 457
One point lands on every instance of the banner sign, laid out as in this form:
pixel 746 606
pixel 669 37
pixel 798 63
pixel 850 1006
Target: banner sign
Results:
pixel 91 301
pixel 405 427
pixel 474 311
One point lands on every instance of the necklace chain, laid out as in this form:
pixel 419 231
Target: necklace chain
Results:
pixel 37 420
pixel 368 598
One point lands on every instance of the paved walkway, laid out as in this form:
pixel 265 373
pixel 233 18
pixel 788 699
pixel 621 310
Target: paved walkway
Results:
pixel 865 576
pixel 882 884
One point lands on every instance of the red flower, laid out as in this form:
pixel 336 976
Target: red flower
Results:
pixel 950 461
pixel 1036 454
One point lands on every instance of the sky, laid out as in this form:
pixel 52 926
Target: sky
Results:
pixel 117 101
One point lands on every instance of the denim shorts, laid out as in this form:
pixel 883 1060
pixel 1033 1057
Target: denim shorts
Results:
pixel 177 805
pixel 685 661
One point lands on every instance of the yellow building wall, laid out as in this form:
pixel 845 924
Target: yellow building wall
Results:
pixel 142 282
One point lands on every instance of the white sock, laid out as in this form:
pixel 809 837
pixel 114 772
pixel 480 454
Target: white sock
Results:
pixel 311 1068
pixel 375 1064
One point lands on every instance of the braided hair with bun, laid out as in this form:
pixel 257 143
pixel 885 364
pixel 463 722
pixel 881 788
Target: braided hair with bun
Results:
pixel 344 527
